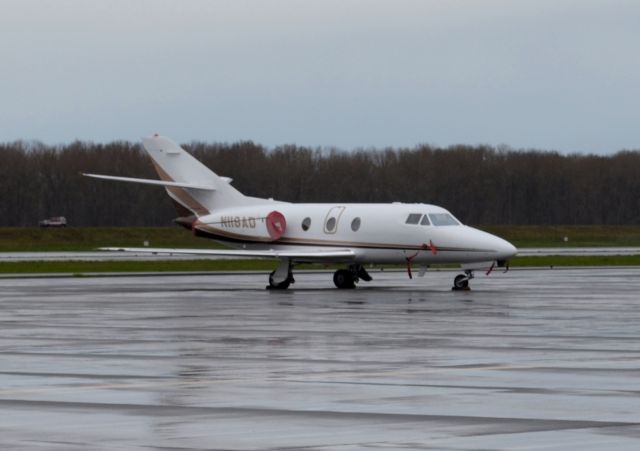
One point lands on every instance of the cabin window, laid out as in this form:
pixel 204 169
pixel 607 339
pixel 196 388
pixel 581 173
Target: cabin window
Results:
pixel 443 219
pixel 425 220
pixel 331 224
pixel 413 218
pixel 306 223
pixel 355 224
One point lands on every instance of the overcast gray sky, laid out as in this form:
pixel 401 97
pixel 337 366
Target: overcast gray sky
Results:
pixel 547 74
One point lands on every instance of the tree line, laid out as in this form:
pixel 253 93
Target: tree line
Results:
pixel 481 185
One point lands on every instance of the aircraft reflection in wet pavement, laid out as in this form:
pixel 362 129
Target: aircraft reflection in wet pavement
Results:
pixel 350 234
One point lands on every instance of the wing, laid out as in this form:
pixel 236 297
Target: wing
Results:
pixel 302 255
pixel 578 251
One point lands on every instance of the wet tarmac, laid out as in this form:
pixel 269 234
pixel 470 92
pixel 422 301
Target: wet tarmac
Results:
pixel 528 360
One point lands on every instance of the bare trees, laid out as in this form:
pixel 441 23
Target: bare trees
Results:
pixel 480 184
pixel 39 181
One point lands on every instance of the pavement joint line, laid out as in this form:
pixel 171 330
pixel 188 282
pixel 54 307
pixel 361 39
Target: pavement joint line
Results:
pixel 558 424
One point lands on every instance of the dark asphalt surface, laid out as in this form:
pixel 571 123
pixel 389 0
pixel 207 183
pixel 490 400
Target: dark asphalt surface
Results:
pixel 528 360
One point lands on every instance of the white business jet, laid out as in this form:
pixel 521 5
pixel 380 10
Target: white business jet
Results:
pixel 351 234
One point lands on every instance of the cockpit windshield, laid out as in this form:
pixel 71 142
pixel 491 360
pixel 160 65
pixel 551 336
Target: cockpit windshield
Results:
pixel 413 218
pixel 443 219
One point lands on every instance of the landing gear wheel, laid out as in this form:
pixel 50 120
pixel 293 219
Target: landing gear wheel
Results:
pixel 343 278
pixel 461 282
pixel 279 286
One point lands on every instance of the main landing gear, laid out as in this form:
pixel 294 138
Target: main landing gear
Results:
pixel 461 281
pixel 282 278
pixel 347 278
pixel 273 285
pixel 343 278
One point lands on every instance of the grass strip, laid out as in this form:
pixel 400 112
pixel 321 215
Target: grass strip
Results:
pixel 69 239
pixel 80 267
pixel 575 235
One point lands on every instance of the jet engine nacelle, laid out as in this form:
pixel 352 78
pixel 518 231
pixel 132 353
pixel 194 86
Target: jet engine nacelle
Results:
pixel 258 223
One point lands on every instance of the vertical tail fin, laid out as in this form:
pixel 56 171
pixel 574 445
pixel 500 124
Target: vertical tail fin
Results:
pixel 174 164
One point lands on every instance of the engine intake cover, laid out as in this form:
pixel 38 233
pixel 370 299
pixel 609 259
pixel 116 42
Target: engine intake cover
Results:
pixel 276 224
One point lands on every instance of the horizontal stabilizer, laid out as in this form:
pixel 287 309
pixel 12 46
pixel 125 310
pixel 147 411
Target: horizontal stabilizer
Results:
pixel 302 254
pixel 152 182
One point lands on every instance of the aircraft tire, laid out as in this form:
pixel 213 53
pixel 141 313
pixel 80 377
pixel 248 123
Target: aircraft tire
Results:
pixel 279 286
pixel 461 282
pixel 343 279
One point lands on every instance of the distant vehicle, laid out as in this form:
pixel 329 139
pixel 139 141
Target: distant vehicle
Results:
pixel 56 221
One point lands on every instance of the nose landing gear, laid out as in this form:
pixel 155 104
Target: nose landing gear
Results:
pixel 461 281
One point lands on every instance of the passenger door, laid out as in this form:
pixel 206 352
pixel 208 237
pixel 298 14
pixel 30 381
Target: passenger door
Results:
pixel 332 219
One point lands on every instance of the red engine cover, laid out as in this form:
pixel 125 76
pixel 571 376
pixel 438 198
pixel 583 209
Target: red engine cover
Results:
pixel 276 224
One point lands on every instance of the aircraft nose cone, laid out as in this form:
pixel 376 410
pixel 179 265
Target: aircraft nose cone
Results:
pixel 496 248
pixel 506 249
